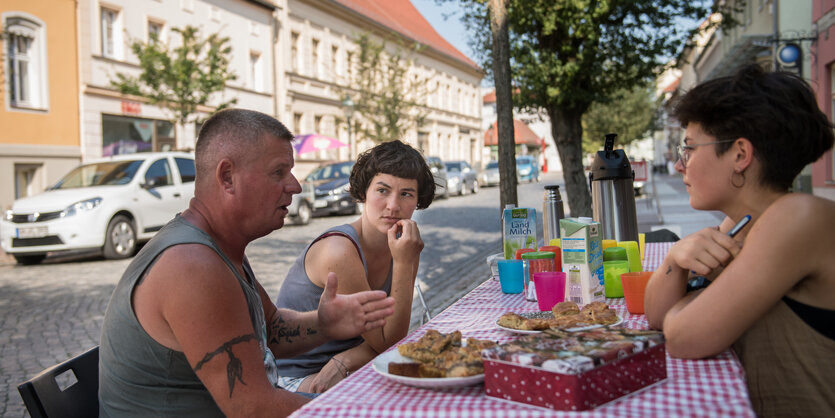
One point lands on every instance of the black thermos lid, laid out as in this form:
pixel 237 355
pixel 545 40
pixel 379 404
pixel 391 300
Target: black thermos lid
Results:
pixel 610 163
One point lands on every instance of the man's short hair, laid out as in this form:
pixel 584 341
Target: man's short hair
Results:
pixel 399 160
pixel 234 133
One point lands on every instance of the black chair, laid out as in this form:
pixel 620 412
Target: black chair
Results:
pixel 661 235
pixel 44 397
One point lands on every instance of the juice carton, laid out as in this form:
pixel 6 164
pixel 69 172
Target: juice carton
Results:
pixel 582 259
pixel 519 230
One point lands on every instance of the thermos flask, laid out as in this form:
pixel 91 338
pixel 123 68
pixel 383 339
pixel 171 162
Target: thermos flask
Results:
pixel 613 194
pixel 552 212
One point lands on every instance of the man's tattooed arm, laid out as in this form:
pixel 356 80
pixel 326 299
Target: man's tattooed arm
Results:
pixel 280 330
pixel 234 369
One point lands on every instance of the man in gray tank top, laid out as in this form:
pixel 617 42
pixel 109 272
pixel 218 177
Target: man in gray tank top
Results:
pixel 189 331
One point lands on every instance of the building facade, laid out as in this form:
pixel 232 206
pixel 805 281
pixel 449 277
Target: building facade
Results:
pixel 823 81
pixel 318 52
pixel 791 36
pixel 112 123
pixel 40 139
pixel 292 59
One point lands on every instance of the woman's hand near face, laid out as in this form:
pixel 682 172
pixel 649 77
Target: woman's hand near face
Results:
pixel 407 247
pixel 704 251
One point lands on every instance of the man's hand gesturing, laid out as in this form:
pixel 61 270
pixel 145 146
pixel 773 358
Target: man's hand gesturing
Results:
pixel 346 316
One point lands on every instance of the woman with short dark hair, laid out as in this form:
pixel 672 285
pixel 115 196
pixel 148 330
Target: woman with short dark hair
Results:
pixel 378 251
pixel 772 295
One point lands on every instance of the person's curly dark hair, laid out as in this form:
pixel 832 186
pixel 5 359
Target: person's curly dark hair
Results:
pixel 399 160
pixel 776 111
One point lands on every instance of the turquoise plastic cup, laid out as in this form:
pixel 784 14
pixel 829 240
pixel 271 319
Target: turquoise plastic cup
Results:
pixel 611 277
pixel 511 277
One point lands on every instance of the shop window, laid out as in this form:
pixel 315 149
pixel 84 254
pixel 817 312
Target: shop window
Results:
pixel 128 135
pixel 25 56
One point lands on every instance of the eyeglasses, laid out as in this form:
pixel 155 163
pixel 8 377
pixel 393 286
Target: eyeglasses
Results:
pixel 683 151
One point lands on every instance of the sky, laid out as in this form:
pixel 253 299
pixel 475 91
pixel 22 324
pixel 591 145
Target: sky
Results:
pixel 451 29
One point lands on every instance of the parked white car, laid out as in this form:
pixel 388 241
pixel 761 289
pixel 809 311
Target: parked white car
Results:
pixel 111 204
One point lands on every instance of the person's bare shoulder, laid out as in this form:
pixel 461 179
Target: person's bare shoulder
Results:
pixel 802 210
pixel 337 254
pixel 187 281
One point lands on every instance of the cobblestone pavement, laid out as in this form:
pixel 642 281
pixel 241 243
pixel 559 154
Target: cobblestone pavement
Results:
pixel 53 311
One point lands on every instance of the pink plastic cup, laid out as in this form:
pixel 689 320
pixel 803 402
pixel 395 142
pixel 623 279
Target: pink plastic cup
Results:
pixel 550 288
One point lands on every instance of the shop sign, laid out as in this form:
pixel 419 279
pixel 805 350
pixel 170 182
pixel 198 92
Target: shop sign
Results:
pixel 131 108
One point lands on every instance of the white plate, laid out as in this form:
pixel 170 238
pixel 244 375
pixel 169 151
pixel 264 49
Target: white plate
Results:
pixel 544 314
pixel 381 365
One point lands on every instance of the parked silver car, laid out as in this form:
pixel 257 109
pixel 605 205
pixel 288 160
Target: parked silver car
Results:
pixel 301 209
pixel 438 169
pixel 461 178
pixel 490 175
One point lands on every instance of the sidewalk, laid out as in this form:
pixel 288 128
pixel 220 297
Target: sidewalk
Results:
pixel 670 208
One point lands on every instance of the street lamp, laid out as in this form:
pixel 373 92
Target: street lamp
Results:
pixel 348 109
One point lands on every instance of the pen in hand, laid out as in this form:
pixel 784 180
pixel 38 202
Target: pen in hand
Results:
pixel 700 282
pixel 739 225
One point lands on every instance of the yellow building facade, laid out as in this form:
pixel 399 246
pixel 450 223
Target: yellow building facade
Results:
pixel 39 115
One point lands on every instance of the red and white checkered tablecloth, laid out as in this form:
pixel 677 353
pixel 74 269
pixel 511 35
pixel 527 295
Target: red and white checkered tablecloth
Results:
pixel 711 387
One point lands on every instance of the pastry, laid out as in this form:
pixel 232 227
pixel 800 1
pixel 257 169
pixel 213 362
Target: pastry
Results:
pixel 410 369
pixel 565 308
pixel 515 321
pixel 441 355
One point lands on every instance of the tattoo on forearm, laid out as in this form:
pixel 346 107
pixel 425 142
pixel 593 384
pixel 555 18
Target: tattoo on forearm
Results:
pixel 280 330
pixel 312 331
pixel 669 269
pixel 234 369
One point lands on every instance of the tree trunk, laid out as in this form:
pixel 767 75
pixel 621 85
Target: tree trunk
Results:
pixel 567 130
pixel 504 102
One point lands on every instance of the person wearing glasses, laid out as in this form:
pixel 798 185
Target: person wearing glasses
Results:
pixel 770 289
pixel 378 251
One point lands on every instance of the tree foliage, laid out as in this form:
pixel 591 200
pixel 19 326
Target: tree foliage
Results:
pixel 629 113
pixel 387 94
pixel 567 55
pixel 180 78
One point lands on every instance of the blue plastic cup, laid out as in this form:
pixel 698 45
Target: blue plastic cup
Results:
pixel 511 276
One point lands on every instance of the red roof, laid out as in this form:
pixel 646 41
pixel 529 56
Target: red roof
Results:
pixel 673 86
pixel 523 134
pixel 489 97
pixel 402 17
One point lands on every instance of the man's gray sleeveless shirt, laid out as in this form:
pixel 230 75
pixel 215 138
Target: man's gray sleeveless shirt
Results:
pixel 138 377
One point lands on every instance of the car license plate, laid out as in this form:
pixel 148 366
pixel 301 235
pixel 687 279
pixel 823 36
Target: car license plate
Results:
pixel 319 203
pixel 33 232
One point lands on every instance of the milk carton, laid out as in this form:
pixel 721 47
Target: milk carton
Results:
pixel 582 259
pixel 518 230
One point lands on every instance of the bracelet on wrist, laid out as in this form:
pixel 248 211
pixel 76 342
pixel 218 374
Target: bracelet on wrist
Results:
pixel 341 367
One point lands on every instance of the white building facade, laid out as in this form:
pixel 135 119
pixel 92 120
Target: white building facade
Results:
pixel 112 123
pixel 315 49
